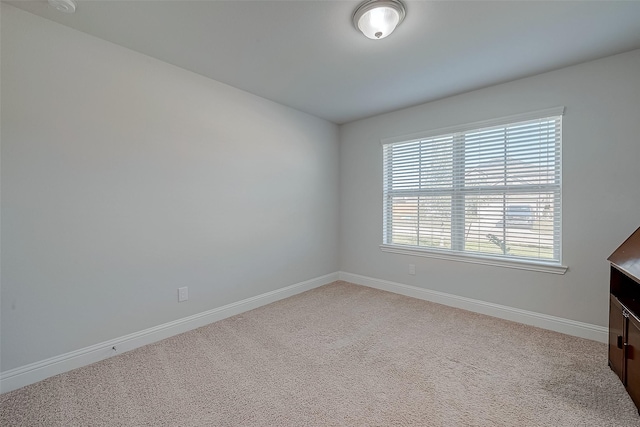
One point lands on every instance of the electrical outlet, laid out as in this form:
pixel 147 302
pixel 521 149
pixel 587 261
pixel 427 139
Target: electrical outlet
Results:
pixel 412 269
pixel 183 294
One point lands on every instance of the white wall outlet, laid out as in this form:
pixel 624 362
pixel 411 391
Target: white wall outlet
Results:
pixel 412 269
pixel 183 294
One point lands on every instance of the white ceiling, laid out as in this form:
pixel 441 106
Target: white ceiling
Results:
pixel 307 54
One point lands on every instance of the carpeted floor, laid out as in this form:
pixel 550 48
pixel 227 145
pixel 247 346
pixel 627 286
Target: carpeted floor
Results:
pixel 340 355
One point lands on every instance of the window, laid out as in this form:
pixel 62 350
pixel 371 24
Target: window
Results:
pixel 488 190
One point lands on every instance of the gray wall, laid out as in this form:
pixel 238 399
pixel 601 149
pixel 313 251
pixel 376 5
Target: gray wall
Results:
pixel 601 188
pixel 124 178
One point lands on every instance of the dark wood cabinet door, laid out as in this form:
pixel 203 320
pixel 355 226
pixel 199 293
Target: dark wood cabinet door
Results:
pixel 616 337
pixel 633 360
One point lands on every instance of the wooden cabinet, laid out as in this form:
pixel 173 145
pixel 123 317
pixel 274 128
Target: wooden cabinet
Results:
pixel 624 315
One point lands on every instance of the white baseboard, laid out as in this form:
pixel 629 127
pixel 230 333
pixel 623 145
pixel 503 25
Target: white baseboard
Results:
pixel 34 372
pixel 558 324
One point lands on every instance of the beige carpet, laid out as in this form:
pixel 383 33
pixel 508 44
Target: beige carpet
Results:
pixel 340 355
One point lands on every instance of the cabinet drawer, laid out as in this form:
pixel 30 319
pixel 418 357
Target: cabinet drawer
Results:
pixel 616 337
pixel 632 369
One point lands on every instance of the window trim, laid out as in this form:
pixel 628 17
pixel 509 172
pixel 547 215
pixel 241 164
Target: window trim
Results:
pixel 533 115
pixel 522 264
pixel 476 259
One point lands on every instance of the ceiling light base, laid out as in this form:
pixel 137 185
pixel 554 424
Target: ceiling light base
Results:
pixel 65 6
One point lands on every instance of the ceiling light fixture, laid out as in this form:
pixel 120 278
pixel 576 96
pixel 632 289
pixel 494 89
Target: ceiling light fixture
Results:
pixel 378 18
pixel 66 6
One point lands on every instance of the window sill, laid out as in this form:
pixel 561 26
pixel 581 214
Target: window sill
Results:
pixel 484 260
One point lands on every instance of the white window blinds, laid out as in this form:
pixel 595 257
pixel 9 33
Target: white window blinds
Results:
pixel 490 191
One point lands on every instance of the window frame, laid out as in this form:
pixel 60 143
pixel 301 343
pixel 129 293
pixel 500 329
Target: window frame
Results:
pixel 555 267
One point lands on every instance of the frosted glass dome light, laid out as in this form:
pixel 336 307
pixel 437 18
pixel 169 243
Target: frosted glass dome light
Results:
pixel 378 18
